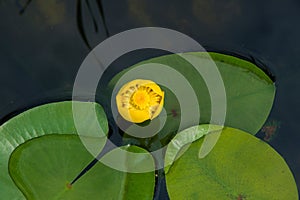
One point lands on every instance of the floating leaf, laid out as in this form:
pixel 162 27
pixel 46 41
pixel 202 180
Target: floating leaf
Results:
pixel 178 144
pixel 44 167
pixel 249 91
pixel 53 118
pixel 240 166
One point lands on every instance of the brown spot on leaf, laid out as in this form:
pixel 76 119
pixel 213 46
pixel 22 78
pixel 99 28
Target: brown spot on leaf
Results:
pixel 69 185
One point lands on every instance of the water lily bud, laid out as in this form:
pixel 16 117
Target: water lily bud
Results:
pixel 140 100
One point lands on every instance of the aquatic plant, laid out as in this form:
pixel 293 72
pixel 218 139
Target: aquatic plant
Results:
pixel 42 150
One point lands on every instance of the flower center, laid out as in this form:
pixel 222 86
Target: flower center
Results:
pixel 140 99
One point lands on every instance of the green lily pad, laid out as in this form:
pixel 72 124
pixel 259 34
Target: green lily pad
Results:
pixel 240 166
pixel 43 168
pixel 53 118
pixel 249 91
pixel 181 141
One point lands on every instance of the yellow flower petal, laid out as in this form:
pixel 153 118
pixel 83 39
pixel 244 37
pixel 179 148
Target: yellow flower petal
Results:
pixel 140 100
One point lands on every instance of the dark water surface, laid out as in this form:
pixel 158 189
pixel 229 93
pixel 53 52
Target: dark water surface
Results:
pixel 42 47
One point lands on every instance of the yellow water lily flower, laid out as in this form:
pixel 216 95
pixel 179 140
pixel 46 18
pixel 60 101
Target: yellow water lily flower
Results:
pixel 140 100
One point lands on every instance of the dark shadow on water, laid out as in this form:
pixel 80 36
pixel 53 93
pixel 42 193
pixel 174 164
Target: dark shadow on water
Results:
pixel 81 4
